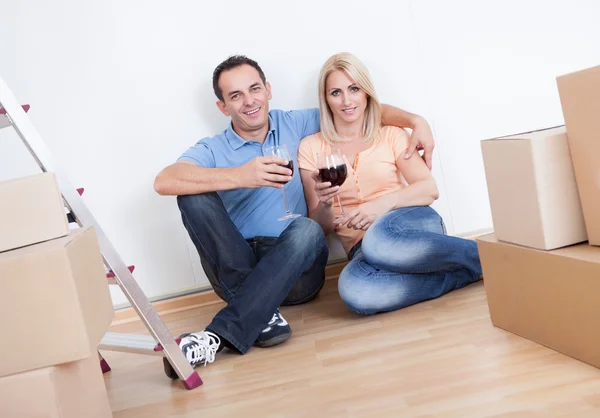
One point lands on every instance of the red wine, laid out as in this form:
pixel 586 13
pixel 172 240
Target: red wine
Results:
pixel 289 165
pixel 336 175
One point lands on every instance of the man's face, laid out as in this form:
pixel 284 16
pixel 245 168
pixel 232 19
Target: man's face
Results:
pixel 245 99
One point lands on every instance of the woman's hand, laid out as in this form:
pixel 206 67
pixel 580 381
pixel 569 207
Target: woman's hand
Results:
pixel 324 191
pixel 366 213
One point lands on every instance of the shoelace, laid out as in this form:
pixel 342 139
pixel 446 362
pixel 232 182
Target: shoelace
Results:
pixel 204 349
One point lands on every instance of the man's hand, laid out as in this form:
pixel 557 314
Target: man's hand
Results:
pixel 364 216
pixel 324 191
pixel 264 171
pixel 421 139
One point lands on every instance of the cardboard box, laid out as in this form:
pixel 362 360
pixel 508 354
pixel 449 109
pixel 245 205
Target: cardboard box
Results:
pixel 55 304
pixel 71 390
pixel 580 99
pixel 550 297
pixel 31 211
pixel 532 189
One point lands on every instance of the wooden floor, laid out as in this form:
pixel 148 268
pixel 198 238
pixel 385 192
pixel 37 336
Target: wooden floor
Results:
pixel 442 358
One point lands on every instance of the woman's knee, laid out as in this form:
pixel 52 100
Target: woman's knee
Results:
pixel 414 218
pixel 368 295
pixel 360 292
pixel 396 238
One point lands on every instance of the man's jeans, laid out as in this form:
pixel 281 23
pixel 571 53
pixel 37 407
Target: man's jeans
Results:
pixel 253 276
pixel 405 258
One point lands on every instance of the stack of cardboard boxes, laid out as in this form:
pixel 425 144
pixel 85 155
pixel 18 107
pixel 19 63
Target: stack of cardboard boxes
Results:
pixel 55 307
pixel 542 264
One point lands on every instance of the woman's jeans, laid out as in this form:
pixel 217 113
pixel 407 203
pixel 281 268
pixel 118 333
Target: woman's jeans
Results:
pixel 405 258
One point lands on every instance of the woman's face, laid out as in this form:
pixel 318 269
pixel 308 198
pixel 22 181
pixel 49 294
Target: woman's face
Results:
pixel 346 100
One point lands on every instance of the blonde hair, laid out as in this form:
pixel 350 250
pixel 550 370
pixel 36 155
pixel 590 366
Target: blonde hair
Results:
pixel 359 73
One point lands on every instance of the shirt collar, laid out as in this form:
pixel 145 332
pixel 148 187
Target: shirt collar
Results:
pixel 237 141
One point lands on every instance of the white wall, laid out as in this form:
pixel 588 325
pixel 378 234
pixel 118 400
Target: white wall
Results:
pixel 120 88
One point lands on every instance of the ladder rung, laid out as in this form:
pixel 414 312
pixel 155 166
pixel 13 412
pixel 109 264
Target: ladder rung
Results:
pixel 70 218
pixel 4 122
pixel 25 108
pixel 131 343
pixel 111 276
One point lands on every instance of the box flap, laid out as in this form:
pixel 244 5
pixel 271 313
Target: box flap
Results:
pixel 51 245
pixel 583 251
pixel 533 135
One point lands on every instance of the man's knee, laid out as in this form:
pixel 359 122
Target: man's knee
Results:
pixel 307 240
pixel 197 203
pixel 306 235
pixel 305 290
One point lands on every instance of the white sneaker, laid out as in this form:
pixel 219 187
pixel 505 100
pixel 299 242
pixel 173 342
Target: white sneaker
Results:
pixel 277 331
pixel 199 347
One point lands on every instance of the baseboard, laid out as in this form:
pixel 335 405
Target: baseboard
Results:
pixel 196 300
pixel 475 234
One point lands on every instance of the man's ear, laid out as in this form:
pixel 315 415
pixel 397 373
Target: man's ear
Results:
pixel 223 108
pixel 268 87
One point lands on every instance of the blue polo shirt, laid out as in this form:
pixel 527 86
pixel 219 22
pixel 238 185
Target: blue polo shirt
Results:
pixel 255 211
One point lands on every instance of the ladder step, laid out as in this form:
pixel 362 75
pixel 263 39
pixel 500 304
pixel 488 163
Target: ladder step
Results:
pixel 130 343
pixel 25 108
pixel 70 218
pixel 4 123
pixel 111 276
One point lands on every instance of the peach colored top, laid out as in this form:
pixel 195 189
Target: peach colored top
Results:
pixel 373 174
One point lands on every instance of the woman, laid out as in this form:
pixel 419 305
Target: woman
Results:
pixel 397 244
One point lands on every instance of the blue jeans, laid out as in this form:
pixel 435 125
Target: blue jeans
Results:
pixel 253 276
pixel 405 258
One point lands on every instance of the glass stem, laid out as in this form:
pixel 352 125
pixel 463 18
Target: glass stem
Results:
pixel 287 210
pixel 341 207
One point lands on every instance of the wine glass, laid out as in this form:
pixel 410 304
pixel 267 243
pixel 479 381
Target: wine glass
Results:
pixel 282 152
pixel 332 168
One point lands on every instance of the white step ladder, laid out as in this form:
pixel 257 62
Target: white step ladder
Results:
pixel 160 342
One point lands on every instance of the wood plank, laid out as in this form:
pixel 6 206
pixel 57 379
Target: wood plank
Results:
pixel 441 358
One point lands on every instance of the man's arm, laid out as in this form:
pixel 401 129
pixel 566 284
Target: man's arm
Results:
pixel 421 191
pixel 421 137
pixel 183 178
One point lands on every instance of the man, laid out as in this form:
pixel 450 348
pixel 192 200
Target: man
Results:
pixel 227 193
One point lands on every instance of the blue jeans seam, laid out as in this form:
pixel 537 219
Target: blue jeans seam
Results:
pixel 221 283
pixel 398 214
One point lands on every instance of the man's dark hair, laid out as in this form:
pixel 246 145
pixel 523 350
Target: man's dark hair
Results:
pixel 231 63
